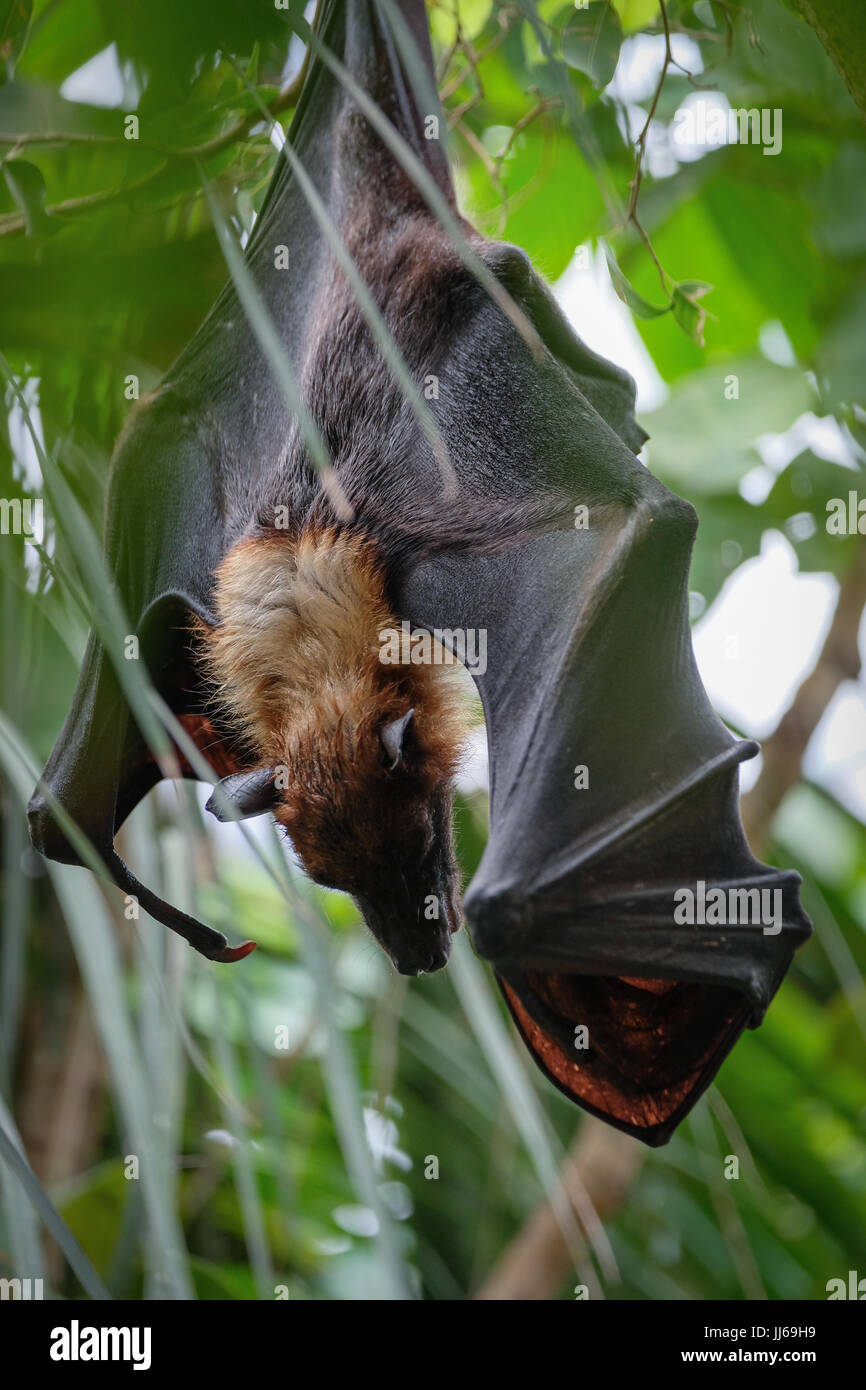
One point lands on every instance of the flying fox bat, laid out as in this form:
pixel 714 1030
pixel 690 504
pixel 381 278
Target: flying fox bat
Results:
pixel 262 589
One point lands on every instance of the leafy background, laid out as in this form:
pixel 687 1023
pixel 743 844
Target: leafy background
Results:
pixel 307 1169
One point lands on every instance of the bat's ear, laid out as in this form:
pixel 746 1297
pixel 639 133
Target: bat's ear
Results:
pixel 245 794
pixel 392 736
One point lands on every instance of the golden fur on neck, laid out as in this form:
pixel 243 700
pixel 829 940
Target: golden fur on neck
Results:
pixel 295 663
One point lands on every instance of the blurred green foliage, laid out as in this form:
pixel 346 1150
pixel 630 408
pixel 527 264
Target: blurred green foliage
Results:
pixel 108 263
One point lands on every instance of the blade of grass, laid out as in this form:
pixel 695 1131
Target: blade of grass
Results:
pixel 339 1069
pixel 93 937
pixel 160 963
pixel 532 1123
pixel 16 1164
pixel 16 917
pixel 344 1090
pixel 726 1209
pixel 22 1226
pixel 246 1182
pixel 342 1083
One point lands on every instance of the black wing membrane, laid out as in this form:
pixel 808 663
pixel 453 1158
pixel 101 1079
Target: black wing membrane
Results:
pixel 613 782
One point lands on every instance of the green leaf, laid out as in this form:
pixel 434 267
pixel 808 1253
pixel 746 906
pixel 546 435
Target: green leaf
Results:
pixel 802 491
pixel 840 359
pixel 27 186
pixel 472 14
pixel 63 40
pixel 636 14
pixel 781 270
pixel 15 16
pixel 591 41
pixel 838 206
pixel 688 313
pixel 627 292
pixel 553 203
pixel 702 440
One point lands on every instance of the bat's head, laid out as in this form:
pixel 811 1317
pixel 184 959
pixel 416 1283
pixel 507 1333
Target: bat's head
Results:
pixel 369 811
pixel 367 804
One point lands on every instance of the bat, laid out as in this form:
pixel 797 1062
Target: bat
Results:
pixel 632 933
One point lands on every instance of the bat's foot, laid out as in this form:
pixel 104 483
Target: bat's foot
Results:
pixel 233 953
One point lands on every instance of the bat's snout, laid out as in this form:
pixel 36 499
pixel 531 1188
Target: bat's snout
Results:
pixel 425 961
pixel 415 936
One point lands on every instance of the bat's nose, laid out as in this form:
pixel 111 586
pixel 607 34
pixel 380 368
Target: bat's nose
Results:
pixel 422 962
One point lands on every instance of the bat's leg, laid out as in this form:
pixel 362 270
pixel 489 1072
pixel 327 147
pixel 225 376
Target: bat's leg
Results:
pixel 205 940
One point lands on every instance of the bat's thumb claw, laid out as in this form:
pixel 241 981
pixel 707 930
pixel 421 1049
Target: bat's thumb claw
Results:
pixel 232 953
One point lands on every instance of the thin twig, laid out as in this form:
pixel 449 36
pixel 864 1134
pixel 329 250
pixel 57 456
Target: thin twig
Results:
pixel 640 145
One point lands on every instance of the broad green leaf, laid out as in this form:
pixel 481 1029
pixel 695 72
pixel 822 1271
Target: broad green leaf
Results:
pixel 62 40
pixel 797 504
pixel 838 205
pixel 627 293
pixel 552 200
pixel 591 40
pixel 840 359
pixel 702 440
pixel 727 233
pixel 689 314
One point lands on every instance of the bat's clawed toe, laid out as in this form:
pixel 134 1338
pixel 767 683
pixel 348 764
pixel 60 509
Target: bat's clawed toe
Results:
pixel 230 954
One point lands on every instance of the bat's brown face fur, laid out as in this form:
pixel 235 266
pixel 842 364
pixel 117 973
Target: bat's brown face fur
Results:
pixel 362 786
